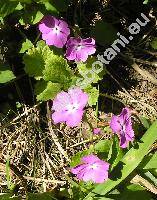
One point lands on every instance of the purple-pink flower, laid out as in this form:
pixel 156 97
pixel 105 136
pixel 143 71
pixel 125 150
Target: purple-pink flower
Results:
pixel 68 106
pixel 79 49
pixel 91 169
pixel 96 131
pixel 122 126
pixel 54 31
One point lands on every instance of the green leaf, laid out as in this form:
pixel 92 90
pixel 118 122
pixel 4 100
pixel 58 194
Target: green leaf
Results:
pixel 151 176
pixel 154 43
pixel 35 59
pixel 41 196
pixel 23 1
pixel 32 18
pixel 146 1
pixel 149 162
pixel 8 177
pixel 8 197
pixel 146 123
pixel 102 148
pixel 104 33
pixel 50 7
pixel 60 5
pixel 7 7
pixel 116 153
pixel 19 6
pixel 56 70
pixel 46 90
pixel 93 94
pixel 27 44
pixel 135 192
pixel 128 163
pixel 76 159
pixel 6 74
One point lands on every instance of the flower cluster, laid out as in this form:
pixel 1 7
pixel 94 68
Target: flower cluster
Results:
pixel 68 107
pixel 96 170
pixel 55 32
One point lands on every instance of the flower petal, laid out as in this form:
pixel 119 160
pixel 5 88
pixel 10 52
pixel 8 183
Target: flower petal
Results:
pixel 64 27
pixel 78 96
pixel 88 41
pixel 90 159
pixel 78 168
pixel 99 176
pixel 73 119
pixel 46 24
pixel 61 101
pixel 114 124
pixel 70 53
pixel 59 117
pixel 54 39
pixel 81 55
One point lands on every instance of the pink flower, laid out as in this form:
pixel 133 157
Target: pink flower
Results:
pixel 68 106
pixel 79 49
pixel 54 31
pixel 96 130
pixel 91 169
pixel 122 126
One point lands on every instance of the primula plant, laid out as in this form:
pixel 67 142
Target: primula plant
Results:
pixel 78 107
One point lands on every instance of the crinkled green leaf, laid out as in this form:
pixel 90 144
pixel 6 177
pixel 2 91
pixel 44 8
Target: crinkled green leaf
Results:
pixel 128 163
pixel 35 59
pixel 93 95
pixel 27 44
pixel 7 7
pixel 56 69
pixel 86 71
pixel 46 90
pixel 6 74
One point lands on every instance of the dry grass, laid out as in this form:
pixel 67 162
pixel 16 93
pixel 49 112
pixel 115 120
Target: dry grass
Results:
pixel 39 153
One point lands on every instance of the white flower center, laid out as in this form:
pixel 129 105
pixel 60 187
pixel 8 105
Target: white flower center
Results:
pixel 56 30
pixel 72 107
pixel 93 166
pixel 79 47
